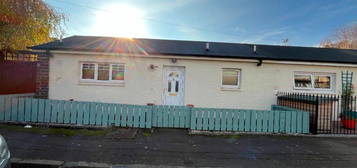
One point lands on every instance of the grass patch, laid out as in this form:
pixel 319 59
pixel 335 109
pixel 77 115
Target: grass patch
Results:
pixel 60 131
pixel 57 131
pixel 22 129
pixel 284 136
pixel 147 132
pixel 232 136
pixel 100 132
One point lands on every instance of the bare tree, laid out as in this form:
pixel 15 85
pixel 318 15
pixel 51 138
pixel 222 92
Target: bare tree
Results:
pixel 345 37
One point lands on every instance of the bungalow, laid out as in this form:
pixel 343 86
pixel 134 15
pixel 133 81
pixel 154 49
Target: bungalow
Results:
pixel 174 72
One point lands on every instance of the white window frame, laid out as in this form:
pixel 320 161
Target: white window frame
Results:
pixel 233 87
pixel 81 71
pixel 312 76
pixel 304 74
pixel 95 80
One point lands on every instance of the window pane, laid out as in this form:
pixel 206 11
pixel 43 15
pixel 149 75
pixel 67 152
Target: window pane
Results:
pixel 103 71
pixel 323 82
pixel 177 86
pixel 169 87
pixel 230 77
pixel 303 81
pixel 88 71
pixel 117 72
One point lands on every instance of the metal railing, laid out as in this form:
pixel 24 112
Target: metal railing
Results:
pixel 329 113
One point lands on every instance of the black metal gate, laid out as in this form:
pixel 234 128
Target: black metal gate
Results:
pixel 329 113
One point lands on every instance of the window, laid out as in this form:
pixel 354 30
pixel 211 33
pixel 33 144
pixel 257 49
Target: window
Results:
pixel 102 72
pixel 323 82
pixel 88 71
pixel 303 81
pixel 314 81
pixel 117 72
pixel 230 78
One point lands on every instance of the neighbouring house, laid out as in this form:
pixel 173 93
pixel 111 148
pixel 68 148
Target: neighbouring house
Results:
pixel 174 72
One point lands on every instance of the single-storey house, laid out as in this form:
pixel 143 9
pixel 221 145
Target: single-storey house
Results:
pixel 174 72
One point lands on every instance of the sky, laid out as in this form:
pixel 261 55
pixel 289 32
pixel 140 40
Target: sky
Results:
pixel 303 22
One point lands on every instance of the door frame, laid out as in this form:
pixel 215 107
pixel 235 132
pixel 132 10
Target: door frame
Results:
pixel 164 69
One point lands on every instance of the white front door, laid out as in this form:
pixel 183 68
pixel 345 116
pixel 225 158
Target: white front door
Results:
pixel 174 85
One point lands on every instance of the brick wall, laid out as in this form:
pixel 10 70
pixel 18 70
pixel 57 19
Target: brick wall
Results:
pixel 42 75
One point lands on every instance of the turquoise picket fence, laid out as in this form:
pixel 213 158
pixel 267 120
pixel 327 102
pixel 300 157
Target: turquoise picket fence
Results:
pixel 74 112
pixel 27 109
pixel 283 108
pixel 171 116
pixel 250 120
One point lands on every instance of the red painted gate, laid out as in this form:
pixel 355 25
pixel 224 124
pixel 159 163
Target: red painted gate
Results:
pixel 17 73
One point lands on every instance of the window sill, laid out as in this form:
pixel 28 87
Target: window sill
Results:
pixel 101 83
pixel 300 90
pixel 230 89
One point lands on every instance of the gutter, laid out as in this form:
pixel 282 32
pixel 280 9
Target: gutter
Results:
pixel 260 62
pixel 238 58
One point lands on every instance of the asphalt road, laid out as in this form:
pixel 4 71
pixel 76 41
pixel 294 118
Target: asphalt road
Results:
pixel 176 148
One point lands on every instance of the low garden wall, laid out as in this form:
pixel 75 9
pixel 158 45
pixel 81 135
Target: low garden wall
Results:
pixel 32 110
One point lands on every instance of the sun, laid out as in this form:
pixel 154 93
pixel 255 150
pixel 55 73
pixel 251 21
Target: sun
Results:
pixel 120 20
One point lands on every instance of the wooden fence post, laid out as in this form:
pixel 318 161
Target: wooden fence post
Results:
pixel 151 118
pixel 190 118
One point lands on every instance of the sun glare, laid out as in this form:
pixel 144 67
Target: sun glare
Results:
pixel 120 20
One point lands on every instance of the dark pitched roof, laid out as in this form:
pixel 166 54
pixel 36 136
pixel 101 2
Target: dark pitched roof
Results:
pixel 198 49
